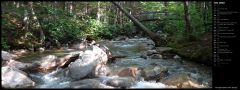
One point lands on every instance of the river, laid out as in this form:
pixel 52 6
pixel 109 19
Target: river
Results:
pixel 132 48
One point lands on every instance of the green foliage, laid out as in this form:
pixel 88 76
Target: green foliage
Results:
pixel 152 6
pixel 4 43
pixel 114 30
pixel 127 30
pixel 60 26
pixel 62 29
pixel 92 28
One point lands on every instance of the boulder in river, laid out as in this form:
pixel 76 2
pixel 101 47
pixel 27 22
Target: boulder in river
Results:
pixel 100 70
pixel 156 56
pixel 21 65
pixel 143 56
pixel 168 55
pixel 181 80
pixel 14 78
pixel 155 73
pixel 106 50
pixel 177 57
pixel 88 61
pixel 7 56
pixel 151 52
pixel 100 55
pixel 20 52
pixel 81 68
pixel 41 49
pixel 163 49
pixel 134 72
pixel 121 82
pixel 166 52
pixel 48 62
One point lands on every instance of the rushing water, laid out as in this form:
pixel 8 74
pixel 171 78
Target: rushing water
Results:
pixel 132 48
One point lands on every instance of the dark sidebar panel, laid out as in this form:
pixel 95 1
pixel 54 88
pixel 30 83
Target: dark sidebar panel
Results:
pixel 226 47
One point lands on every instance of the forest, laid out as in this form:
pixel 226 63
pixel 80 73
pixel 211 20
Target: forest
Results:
pixel 124 30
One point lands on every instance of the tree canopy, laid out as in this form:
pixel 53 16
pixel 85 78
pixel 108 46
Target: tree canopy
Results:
pixel 33 24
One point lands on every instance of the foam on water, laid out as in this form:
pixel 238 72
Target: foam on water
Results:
pixel 126 45
pixel 148 84
pixel 104 79
pixel 50 81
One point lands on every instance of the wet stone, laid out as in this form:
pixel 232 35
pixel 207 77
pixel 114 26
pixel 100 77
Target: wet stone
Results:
pixel 156 56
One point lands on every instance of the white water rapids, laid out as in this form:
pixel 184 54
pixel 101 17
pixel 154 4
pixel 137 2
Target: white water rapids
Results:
pixel 132 48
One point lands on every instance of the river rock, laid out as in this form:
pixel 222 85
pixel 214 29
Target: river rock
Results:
pixel 100 55
pixel 106 50
pixel 14 78
pixel 20 65
pixel 100 70
pixel 151 52
pixel 86 64
pixel 20 52
pixel 143 56
pixel 155 73
pixel 181 80
pixel 48 62
pixel 41 49
pixel 163 49
pixel 81 68
pixel 88 83
pixel 168 55
pixel 134 72
pixel 177 57
pixel 7 56
pixel 156 56
pixel 121 82
pixel 166 52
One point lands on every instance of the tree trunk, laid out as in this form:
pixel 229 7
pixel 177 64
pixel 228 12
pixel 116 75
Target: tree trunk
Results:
pixel 25 20
pixel 165 8
pixel 17 5
pixel 35 19
pixel 86 8
pixel 105 16
pixel 71 7
pixel 99 12
pixel 187 18
pixel 157 39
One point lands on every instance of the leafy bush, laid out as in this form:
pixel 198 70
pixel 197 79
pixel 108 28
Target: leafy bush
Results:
pixel 62 30
pixel 4 43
